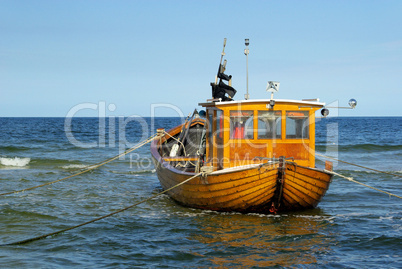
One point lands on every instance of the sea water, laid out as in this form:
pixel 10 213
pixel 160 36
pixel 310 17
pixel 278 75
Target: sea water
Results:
pixel 353 226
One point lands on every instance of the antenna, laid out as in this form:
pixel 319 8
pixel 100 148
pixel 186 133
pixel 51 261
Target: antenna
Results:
pixel 223 50
pixel 246 52
pixel 222 54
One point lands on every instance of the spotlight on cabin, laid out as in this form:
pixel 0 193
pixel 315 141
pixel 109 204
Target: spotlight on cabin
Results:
pixel 352 103
pixel 271 103
pixel 202 113
pixel 324 112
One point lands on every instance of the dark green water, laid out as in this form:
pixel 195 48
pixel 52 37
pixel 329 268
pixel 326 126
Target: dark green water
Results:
pixel 353 226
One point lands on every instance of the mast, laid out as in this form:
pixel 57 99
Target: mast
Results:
pixel 246 52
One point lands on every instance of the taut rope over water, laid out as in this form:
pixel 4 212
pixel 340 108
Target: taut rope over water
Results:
pixel 355 181
pixel 375 170
pixel 91 167
pixel 352 180
pixel 105 216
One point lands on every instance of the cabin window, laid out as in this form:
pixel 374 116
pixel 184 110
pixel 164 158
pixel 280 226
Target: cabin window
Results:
pixel 269 124
pixel 241 124
pixel 297 124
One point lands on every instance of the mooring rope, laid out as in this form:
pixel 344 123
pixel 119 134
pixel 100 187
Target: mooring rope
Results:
pixel 91 167
pixel 103 217
pixel 375 170
pixel 355 181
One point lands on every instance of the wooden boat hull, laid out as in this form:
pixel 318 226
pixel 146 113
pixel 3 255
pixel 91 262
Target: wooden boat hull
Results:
pixel 304 187
pixel 263 188
pixel 241 190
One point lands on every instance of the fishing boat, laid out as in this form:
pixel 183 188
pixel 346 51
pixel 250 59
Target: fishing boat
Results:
pixel 249 155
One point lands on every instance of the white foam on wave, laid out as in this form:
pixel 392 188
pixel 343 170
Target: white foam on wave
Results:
pixel 386 218
pixel 138 172
pixel 16 162
pixel 74 166
pixel 392 171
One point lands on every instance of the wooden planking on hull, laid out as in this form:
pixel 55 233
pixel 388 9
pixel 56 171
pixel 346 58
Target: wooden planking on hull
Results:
pixel 295 201
pixel 209 189
pixel 314 191
pixel 312 181
pixel 312 184
pixel 295 184
pixel 302 198
pixel 243 200
pixel 247 192
pixel 209 183
pixel 304 187
pixel 310 172
pixel 267 184
pixel 251 202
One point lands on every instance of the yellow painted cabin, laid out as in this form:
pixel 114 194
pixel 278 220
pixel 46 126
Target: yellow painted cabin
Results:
pixel 240 131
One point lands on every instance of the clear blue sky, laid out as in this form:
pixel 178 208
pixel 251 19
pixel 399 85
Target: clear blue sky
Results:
pixel 55 55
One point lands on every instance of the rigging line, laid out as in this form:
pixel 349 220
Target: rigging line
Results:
pixel 103 217
pixel 124 153
pixel 352 180
pixel 149 139
pixel 379 171
pixel 92 167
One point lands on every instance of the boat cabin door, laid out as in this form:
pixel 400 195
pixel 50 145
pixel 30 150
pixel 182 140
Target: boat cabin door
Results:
pixel 215 135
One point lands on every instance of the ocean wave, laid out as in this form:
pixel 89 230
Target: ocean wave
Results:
pixel 370 147
pixel 361 171
pixel 358 148
pixel 150 171
pixel 14 148
pixel 16 161
pixel 75 166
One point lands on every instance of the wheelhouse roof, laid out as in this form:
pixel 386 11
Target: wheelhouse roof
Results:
pixel 256 101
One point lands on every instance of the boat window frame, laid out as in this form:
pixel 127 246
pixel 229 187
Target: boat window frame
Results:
pixel 246 128
pixel 277 123
pixel 304 132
